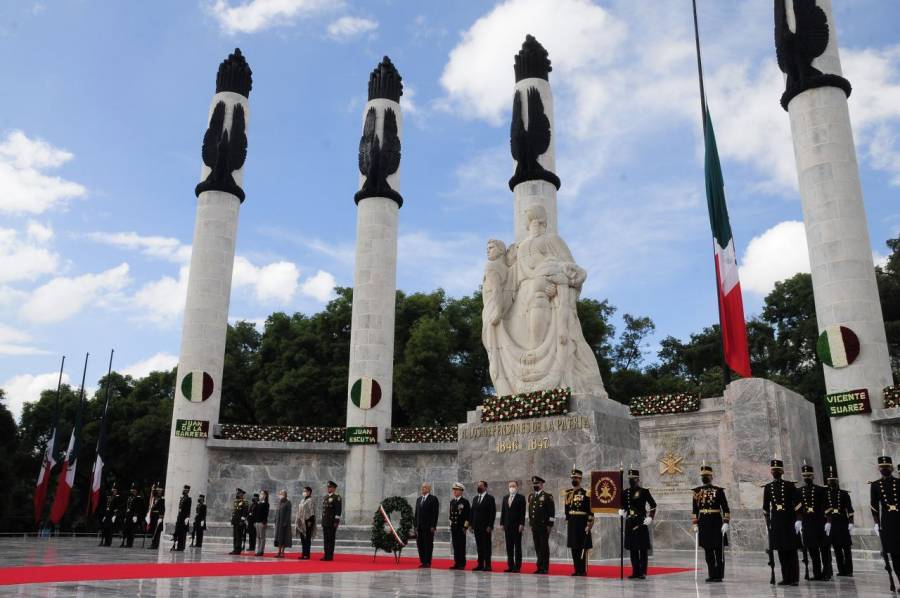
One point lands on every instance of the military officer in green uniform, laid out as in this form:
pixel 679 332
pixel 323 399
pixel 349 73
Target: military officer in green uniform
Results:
pixel 239 512
pixel 541 517
pixel 781 507
pixel 579 522
pixel 710 518
pixel 331 519
pixel 839 510
pixel 885 503
pixel 638 509
pixel 813 501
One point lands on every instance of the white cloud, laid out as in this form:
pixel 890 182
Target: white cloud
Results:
pixel 40 233
pixel 349 27
pixel 276 281
pixel 453 262
pixel 319 286
pixel 25 187
pixel 26 388
pixel 63 297
pixel 166 248
pixel 163 300
pixel 257 15
pixel 26 258
pixel 160 362
pixel 12 339
pixel 773 256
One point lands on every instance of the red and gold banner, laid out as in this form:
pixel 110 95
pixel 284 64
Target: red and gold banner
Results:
pixel 606 491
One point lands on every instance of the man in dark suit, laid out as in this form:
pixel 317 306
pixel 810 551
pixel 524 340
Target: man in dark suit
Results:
pixel 426 517
pixel 512 522
pixel 484 512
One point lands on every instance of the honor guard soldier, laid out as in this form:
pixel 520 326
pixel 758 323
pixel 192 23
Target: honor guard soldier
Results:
pixel 199 522
pixel 813 499
pixel 134 508
pixel 157 513
pixel 331 519
pixel 579 521
pixel 541 517
pixel 460 512
pixel 839 511
pixel 110 516
pixel 885 502
pixel 183 521
pixel 239 512
pixel 781 506
pixel 710 518
pixel 638 509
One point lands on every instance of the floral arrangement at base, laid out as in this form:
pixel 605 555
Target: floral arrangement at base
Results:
pixel 892 396
pixel 382 536
pixel 683 402
pixel 541 403
pixel 423 434
pixel 281 433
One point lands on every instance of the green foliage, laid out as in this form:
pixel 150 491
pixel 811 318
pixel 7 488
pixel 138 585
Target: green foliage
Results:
pixel 888 277
pixel 381 537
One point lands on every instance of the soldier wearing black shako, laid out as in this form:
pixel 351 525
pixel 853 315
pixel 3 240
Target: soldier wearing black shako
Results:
pixel 885 503
pixel 638 517
pixel 839 510
pixel 781 506
pixel 710 518
pixel 813 499
pixel 331 519
pixel 579 522
pixel 183 520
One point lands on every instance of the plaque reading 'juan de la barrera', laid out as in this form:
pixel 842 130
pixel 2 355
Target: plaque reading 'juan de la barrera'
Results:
pixel 192 428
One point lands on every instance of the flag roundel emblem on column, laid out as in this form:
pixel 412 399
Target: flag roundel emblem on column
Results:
pixel 838 346
pixel 365 393
pixel 197 386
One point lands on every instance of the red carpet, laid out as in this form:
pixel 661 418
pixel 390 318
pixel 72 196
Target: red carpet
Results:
pixel 241 566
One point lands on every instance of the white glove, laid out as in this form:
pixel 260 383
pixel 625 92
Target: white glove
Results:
pixel 724 528
pixel 828 529
pixel 187 520
pixel 798 526
pixel 648 520
pixel 875 528
pixel 114 518
pixel 134 519
pixel 621 512
pixel 202 524
pixel 694 528
pixel 850 528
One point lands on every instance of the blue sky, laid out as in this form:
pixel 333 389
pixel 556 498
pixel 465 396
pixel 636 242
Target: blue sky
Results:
pixel 104 105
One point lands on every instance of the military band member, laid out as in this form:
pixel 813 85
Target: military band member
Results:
pixel 638 509
pixel 512 522
pixel 839 511
pixel 239 511
pixel 199 522
pixel 110 517
pixel 579 522
pixel 813 499
pixel 331 519
pixel 481 522
pixel 157 514
pixel 781 506
pixel 885 503
pixel 710 518
pixel 541 517
pixel 134 510
pixel 183 520
pixel 460 513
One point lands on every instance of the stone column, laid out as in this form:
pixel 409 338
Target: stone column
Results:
pixel 370 380
pixel 534 185
pixel 198 387
pixel 840 252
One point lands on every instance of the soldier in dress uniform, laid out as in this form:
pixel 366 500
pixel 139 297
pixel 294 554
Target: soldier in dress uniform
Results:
pixel 331 519
pixel 183 521
pixel 110 516
pixel 157 513
pixel 813 500
pixel 541 517
pixel 710 518
pixel 199 522
pixel 781 506
pixel 579 522
pixel 460 512
pixel 239 512
pixel 134 509
pixel 638 517
pixel 885 502
pixel 839 510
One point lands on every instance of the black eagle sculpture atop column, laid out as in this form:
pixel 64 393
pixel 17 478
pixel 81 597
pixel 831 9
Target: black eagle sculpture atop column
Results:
pixel 379 157
pixel 527 145
pixel 797 49
pixel 225 149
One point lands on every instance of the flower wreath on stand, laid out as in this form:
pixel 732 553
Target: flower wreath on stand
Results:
pixel 385 535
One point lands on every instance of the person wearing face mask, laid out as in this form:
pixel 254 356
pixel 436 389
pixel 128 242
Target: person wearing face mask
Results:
pixel 460 513
pixel 425 519
pixel 306 522
pixel 484 513
pixel 781 507
pixel 813 499
pixel 839 510
pixel 638 517
pixel 512 522
pixel 885 504
pixel 710 522
pixel 541 517
pixel 579 522
pixel 261 522
pixel 283 523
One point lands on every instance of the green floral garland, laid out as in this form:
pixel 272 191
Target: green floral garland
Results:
pixel 665 404
pixel 541 403
pixel 281 433
pixel 892 396
pixel 382 538
pixel 423 434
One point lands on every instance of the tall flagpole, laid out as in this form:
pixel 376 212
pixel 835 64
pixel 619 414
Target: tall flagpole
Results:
pixel 97 455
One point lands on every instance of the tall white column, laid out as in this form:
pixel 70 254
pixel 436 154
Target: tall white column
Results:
pixel 840 253
pixel 370 380
pixel 198 385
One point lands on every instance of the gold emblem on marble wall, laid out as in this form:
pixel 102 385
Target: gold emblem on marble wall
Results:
pixel 670 464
